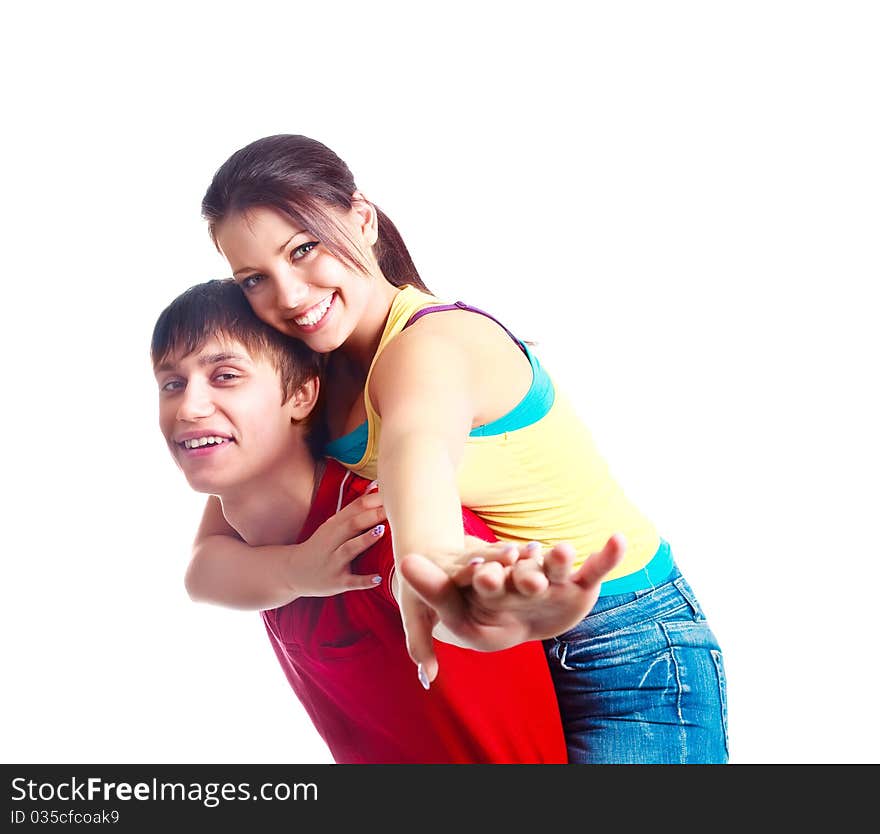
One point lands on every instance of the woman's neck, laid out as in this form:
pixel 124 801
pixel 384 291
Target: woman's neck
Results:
pixel 361 346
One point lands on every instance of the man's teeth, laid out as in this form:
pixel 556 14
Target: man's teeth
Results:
pixel 316 313
pixel 203 441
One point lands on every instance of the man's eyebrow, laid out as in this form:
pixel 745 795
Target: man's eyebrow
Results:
pixel 280 250
pixel 225 356
pixel 207 359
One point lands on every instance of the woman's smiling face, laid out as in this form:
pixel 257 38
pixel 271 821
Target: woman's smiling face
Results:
pixel 293 282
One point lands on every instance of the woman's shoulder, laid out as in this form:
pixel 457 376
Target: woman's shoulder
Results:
pixel 456 321
pixel 451 339
pixel 410 321
pixel 411 300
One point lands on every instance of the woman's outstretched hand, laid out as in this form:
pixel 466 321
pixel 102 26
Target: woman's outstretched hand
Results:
pixel 517 593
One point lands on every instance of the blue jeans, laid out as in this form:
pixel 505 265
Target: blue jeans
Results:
pixel 640 680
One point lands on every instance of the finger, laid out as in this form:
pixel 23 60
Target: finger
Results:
pixel 361 582
pixel 368 501
pixel 502 555
pixel 350 521
pixel 433 586
pixel 363 515
pixel 527 577
pixel 531 550
pixel 504 552
pixel 464 576
pixel 558 562
pixel 489 579
pixel 354 547
pixel 598 565
pixel 418 625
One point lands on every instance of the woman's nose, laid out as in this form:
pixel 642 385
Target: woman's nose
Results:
pixel 291 292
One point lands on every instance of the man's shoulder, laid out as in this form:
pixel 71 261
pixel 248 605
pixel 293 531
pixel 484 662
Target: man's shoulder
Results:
pixel 337 486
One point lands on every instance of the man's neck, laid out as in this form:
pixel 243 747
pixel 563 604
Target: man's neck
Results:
pixel 273 510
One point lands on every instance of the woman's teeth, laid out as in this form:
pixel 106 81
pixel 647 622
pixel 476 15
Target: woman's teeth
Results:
pixel 317 312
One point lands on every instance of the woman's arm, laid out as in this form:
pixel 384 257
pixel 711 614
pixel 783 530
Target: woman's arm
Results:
pixel 424 390
pixel 225 570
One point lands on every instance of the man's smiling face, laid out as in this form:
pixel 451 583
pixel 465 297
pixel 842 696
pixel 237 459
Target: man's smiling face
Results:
pixel 222 416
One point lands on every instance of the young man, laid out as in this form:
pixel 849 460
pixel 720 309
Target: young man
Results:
pixel 236 405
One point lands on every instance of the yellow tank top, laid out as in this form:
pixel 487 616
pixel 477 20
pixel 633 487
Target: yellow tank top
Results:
pixel 542 482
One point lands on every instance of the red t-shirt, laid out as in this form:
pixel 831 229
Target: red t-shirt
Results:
pixel 345 657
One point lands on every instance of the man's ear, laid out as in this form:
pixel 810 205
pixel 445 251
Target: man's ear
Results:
pixel 367 217
pixel 304 400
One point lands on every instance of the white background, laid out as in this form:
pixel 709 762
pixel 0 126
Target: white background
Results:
pixel 678 201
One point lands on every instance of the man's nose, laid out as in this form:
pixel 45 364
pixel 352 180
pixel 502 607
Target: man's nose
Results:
pixel 196 403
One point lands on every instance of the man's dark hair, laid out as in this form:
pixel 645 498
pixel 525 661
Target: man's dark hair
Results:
pixel 219 309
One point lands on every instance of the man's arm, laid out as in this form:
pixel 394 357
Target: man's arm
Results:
pixel 225 570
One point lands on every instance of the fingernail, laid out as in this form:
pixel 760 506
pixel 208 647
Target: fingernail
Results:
pixel 378 530
pixel 423 678
pixel 372 484
pixel 533 546
pixel 477 560
pixel 376 580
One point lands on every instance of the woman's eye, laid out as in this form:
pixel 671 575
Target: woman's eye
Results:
pixel 303 250
pixel 251 281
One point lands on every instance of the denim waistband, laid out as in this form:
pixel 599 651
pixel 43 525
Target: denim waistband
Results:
pixel 615 613
pixel 647 577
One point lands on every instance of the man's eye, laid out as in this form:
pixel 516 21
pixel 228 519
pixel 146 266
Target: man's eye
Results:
pixel 303 250
pixel 172 385
pixel 226 376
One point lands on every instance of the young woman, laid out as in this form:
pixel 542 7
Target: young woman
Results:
pixel 446 407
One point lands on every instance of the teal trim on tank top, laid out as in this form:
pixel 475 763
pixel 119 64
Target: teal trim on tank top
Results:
pixel 647 577
pixel 351 447
pixel 531 408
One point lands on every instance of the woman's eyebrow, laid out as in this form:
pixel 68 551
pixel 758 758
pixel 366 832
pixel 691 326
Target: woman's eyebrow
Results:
pixel 280 250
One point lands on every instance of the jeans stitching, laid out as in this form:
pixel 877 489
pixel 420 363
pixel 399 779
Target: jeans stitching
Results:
pixel 688 593
pixel 718 659
pixel 655 600
pixel 561 655
pixel 650 618
pixel 682 731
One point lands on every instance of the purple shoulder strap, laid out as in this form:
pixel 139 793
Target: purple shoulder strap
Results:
pixel 459 305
